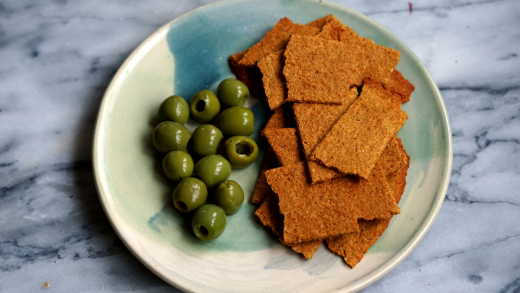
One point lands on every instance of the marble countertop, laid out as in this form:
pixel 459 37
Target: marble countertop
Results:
pixel 58 56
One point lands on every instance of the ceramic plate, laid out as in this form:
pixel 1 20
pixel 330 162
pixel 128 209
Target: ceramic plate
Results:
pixel 190 53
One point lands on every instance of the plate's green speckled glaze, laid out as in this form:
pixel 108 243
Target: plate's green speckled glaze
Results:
pixel 190 54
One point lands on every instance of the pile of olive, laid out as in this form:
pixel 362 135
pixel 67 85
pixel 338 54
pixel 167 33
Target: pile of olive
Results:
pixel 217 146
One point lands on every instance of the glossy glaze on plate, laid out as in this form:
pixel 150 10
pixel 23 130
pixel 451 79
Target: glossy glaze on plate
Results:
pixel 190 54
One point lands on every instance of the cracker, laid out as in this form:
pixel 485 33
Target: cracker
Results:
pixel 397 180
pixel 270 216
pixel 319 70
pixel 353 246
pixel 250 76
pixel 282 118
pixel 271 68
pixel 315 120
pixel 392 158
pixel 286 145
pixel 275 40
pixel 262 189
pixel 318 211
pixel 358 138
pixel 320 22
pixel 374 61
pixel 400 85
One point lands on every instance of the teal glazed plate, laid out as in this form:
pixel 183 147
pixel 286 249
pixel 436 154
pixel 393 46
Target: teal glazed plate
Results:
pixel 189 54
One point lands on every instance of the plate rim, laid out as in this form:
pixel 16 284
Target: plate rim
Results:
pixel 363 281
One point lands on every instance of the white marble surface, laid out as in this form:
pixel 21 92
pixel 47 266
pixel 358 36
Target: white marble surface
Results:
pixel 58 56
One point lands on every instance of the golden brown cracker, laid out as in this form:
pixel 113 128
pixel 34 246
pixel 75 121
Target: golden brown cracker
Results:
pixel 373 60
pixel 320 70
pixel 318 211
pixel 275 40
pixel 250 76
pixel 355 142
pixel 315 120
pixel 270 216
pixel 394 155
pixel 320 22
pixel 282 117
pixel 400 85
pixel 262 189
pixel 286 145
pixel 271 67
pixel 353 246
pixel 397 180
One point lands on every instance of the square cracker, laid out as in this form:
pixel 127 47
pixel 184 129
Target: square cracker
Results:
pixel 392 157
pixel 286 145
pixel 262 189
pixel 271 67
pixel 315 120
pixel 332 67
pixel 353 246
pixel 282 117
pixel 356 141
pixel 400 85
pixel 318 211
pixel 320 22
pixel 250 76
pixel 335 30
pixel 270 216
pixel 275 40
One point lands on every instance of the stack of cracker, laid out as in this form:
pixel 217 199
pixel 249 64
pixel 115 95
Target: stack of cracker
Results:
pixel 336 169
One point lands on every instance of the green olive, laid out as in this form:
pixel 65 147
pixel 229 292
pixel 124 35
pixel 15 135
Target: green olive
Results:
pixel 174 108
pixel 229 196
pixel 232 92
pixel 204 106
pixel 170 136
pixel 205 140
pixel 209 221
pixel 189 194
pixel 240 151
pixel 177 165
pixel 236 121
pixel 212 169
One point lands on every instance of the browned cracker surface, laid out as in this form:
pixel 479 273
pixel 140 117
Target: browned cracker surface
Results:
pixel 315 120
pixel 397 179
pixel 392 157
pixel 322 71
pixel 335 30
pixel 356 141
pixel 400 85
pixel 275 40
pixel 250 76
pixel 282 118
pixel 353 246
pixel 318 211
pixel 270 216
pixel 262 189
pixel 271 67
pixel 320 22
pixel 373 60
pixel 286 145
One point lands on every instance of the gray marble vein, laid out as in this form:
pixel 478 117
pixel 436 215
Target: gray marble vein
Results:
pixel 55 66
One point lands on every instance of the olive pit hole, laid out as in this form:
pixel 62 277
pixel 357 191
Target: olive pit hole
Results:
pixel 243 148
pixel 200 106
pixel 181 206
pixel 203 231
